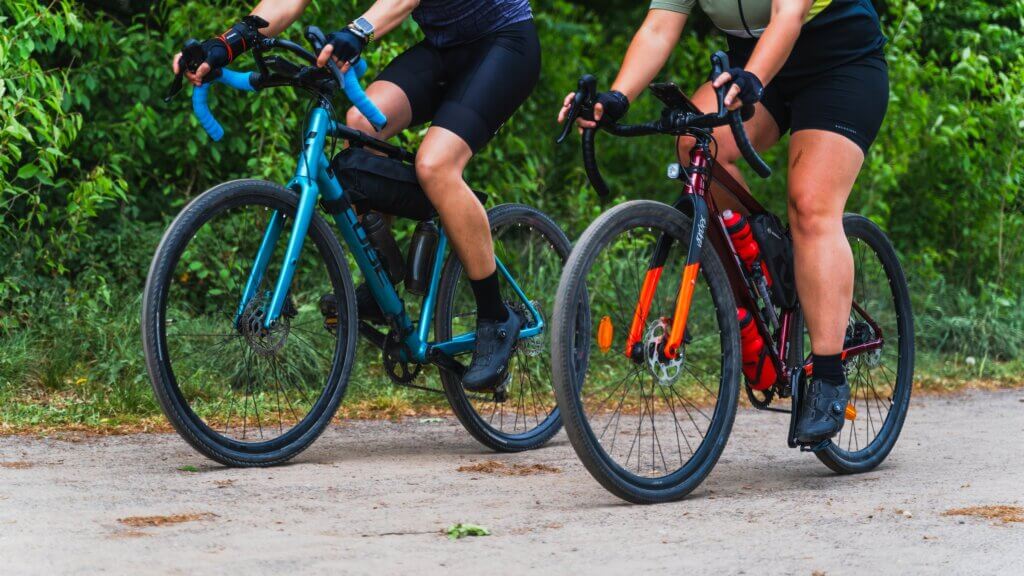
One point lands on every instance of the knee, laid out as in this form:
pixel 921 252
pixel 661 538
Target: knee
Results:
pixel 355 120
pixel 811 213
pixel 434 168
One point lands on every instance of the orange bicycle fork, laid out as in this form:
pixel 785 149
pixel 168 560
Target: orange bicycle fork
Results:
pixel 688 283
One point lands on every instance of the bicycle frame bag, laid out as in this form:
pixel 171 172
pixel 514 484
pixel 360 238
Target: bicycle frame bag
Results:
pixel 383 184
pixel 777 251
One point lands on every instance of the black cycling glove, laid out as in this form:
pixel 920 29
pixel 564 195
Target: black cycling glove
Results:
pixel 751 88
pixel 615 106
pixel 220 51
pixel 347 45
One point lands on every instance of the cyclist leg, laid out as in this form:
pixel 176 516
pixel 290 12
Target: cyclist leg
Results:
pixel 407 91
pixel 836 116
pixel 763 129
pixel 487 82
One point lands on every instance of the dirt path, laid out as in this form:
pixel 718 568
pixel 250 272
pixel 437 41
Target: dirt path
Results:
pixel 373 497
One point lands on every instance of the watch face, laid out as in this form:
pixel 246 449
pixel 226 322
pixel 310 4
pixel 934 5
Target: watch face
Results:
pixel 364 25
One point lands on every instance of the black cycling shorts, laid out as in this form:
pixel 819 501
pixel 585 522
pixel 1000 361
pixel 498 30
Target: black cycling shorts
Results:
pixel 849 99
pixel 470 89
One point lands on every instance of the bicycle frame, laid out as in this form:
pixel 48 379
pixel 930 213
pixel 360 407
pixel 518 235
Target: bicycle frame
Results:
pixel 314 180
pixel 696 200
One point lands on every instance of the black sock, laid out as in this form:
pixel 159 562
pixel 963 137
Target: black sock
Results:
pixel 489 305
pixel 828 367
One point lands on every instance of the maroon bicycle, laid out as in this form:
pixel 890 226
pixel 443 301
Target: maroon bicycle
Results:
pixel 662 310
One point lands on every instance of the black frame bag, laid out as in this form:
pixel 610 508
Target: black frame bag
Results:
pixel 777 251
pixel 385 185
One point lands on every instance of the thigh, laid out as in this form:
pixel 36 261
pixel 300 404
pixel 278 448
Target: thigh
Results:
pixel 419 74
pixel 392 102
pixel 488 81
pixel 850 100
pixel 823 167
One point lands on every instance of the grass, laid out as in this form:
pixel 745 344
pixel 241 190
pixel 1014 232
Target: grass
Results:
pixel 83 369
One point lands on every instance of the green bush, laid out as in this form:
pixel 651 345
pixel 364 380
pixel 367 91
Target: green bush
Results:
pixel 93 164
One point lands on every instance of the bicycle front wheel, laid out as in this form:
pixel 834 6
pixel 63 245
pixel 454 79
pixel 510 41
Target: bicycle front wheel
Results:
pixel 238 393
pixel 648 428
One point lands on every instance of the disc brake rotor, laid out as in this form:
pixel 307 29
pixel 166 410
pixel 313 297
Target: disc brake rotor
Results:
pixel 264 341
pixel 665 371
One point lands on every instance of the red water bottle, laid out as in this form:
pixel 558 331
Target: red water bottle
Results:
pixel 757 366
pixel 744 242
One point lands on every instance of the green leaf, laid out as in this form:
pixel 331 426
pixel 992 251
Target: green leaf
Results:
pixel 460 530
pixel 27 171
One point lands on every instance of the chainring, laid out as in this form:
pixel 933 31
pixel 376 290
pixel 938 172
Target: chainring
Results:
pixel 394 356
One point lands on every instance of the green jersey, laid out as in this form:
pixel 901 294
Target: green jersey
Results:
pixel 834 31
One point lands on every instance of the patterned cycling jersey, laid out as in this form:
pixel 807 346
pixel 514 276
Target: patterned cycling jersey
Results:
pixel 452 22
pixel 835 31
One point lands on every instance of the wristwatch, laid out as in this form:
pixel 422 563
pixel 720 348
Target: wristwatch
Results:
pixel 363 28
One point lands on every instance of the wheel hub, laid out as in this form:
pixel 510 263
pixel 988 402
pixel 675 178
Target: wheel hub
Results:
pixel 264 341
pixel 861 333
pixel 665 371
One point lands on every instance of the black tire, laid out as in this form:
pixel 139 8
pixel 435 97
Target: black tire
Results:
pixel 160 360
pixel 571 388
pixel 846 455
pixel 490 430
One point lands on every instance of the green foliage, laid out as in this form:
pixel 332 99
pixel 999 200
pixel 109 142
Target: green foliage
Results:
pixel 460 530
pixel 93 164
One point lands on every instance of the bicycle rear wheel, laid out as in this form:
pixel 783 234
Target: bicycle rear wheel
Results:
pixel 239 394
pixel 648 429
pixel 881 380
pixel 534 249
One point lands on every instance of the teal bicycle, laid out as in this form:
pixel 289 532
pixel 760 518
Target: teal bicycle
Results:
pixel 246 361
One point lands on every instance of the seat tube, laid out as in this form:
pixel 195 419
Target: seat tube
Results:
pixel 304 183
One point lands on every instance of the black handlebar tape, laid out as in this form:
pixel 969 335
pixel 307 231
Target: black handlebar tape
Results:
pixel 749 154
pixel 590 165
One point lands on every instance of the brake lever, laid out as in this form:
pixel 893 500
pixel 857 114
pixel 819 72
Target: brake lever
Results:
pixel 192 57
pixel 586 89
pixel 719 64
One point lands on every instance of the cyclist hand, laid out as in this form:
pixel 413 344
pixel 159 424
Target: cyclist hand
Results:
pixel 216 57
pixel 344 46
pixel 746 87
pixel 581 122
pixel 610 107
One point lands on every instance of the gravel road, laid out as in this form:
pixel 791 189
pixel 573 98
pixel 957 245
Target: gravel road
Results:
pixel 374 498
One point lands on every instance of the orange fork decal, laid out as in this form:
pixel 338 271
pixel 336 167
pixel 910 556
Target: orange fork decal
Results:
pixel 643 307
pixel 675 337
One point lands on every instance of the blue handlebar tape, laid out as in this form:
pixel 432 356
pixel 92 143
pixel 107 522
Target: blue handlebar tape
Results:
pixel 360 67
pixel 200 107
pixel 358 96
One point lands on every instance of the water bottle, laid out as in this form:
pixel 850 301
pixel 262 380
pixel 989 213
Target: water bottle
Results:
pixel 744 242
pixel 380 237
pixel 420 263
pixel 757 366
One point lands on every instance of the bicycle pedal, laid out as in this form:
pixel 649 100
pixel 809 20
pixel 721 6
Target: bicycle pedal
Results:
pixel 817 447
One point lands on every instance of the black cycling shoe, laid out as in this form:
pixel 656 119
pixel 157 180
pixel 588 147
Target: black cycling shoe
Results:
pixel 495 343
pixel 368 309
pixel 823 411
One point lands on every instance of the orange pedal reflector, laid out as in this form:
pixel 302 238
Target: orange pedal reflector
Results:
pixel 851 412
pixel 605 332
